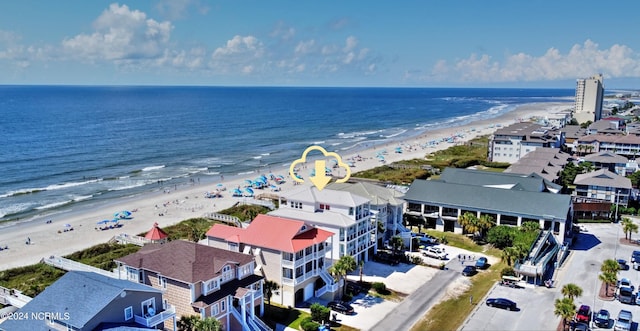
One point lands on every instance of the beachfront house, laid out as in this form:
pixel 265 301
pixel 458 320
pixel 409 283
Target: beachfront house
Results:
pixel 288 252
pixel 88 301
pixel 200 280
pixel 345 214
pixel 509 144
pixel 386 205
pixel 510 199
pixel 604 185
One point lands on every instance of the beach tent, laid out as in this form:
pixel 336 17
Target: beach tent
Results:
pixel 248 192
pixel 104 222
pixel 221 187
pixel 237 192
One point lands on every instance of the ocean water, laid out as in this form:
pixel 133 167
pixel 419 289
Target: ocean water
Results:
pixel 66 145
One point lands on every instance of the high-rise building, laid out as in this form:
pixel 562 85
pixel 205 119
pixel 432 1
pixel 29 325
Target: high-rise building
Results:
pixel 589 95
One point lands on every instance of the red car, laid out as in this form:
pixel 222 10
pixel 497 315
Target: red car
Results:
pixel 583 314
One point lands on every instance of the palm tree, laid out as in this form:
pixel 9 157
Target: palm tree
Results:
pixel 269 288
pixel 608 278
pixel 610 266
pixel 396 243
pixel 566 309
pixel 571 291
pixel 469 222
pixel 209 324
pixel 342 267
pixel 628 227
pixel 508 254
pixel 485 222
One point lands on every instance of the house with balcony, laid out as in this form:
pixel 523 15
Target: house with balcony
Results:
pixel 627 145
pixel 603 185
pixel 287 251
pixel 201 280
pixel 510 199
pixel 343 213
pixel 386 204
pixel 89 301
pixel 608 160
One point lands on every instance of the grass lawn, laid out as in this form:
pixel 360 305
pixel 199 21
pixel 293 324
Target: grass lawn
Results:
pixel 457 240
pixel 292 317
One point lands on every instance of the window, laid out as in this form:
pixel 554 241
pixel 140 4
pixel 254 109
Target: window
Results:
pixel 162 282
pixel 287 273
pixel 350 211
pixel 324 207
pixel 214 309
pixel 222 307
pixel 227 274
pixel 128 313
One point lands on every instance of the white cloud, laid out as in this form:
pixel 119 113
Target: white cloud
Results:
pixel 240 54
pixel 121 34
pixel 580 61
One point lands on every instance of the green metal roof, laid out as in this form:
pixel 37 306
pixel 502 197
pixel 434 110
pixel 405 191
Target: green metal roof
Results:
pixel 524 203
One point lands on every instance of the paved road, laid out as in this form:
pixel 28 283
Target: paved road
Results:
pixel 413 307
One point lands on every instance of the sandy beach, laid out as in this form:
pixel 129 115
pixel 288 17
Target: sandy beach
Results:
pixel 187 201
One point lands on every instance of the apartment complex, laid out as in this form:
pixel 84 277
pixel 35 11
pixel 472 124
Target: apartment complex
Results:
pixel 589 97
pixel 509 144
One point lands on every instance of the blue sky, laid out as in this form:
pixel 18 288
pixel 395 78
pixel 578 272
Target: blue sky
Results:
pixel 420 43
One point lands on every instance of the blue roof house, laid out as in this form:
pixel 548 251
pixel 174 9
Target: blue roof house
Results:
pixel 90 301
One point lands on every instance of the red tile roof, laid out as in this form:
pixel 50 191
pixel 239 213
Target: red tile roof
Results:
pixel 184 261
pixel 278 233
pixel 156 233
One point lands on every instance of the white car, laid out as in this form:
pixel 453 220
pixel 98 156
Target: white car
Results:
pixel 435 252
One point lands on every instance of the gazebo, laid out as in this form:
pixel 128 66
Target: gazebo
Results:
pixel 156 235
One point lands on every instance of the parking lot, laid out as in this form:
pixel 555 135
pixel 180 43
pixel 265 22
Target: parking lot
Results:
pixel 582 268
pixel 405 279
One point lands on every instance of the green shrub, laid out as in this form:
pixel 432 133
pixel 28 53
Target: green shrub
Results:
pixel 380 288
pixel 319 312
pixel 308 325
pixel 508 271
pixel 416 260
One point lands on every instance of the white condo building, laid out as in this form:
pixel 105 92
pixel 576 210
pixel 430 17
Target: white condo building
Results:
pixel 589 96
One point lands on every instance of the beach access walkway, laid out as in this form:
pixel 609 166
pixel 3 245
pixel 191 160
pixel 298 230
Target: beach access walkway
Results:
pixel 69 265
pixel 13 297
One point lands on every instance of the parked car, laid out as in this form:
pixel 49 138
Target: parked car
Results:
pixel 625 295
pixel 426 239
pixel 625 282
pixel 501 303
pixel 601 319
pixel 581 327
pixel 386 258
pixel 624 321
pixel 341 307
pixel 583 314
pixel 482 263
pixel 622 264
pixel 469 271
pixel 638 298
pixel 635 256
pixel 434 252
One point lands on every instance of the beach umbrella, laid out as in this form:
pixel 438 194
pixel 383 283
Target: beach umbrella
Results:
pixel 104 222
pixel 115 220
pixel 67 225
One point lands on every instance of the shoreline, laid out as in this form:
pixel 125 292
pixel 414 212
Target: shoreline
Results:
pixel 186 200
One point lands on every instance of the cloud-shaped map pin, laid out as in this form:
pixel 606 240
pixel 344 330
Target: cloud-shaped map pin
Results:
pixel 320 180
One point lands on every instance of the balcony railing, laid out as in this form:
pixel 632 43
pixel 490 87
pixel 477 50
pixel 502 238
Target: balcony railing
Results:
pixel 152 321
